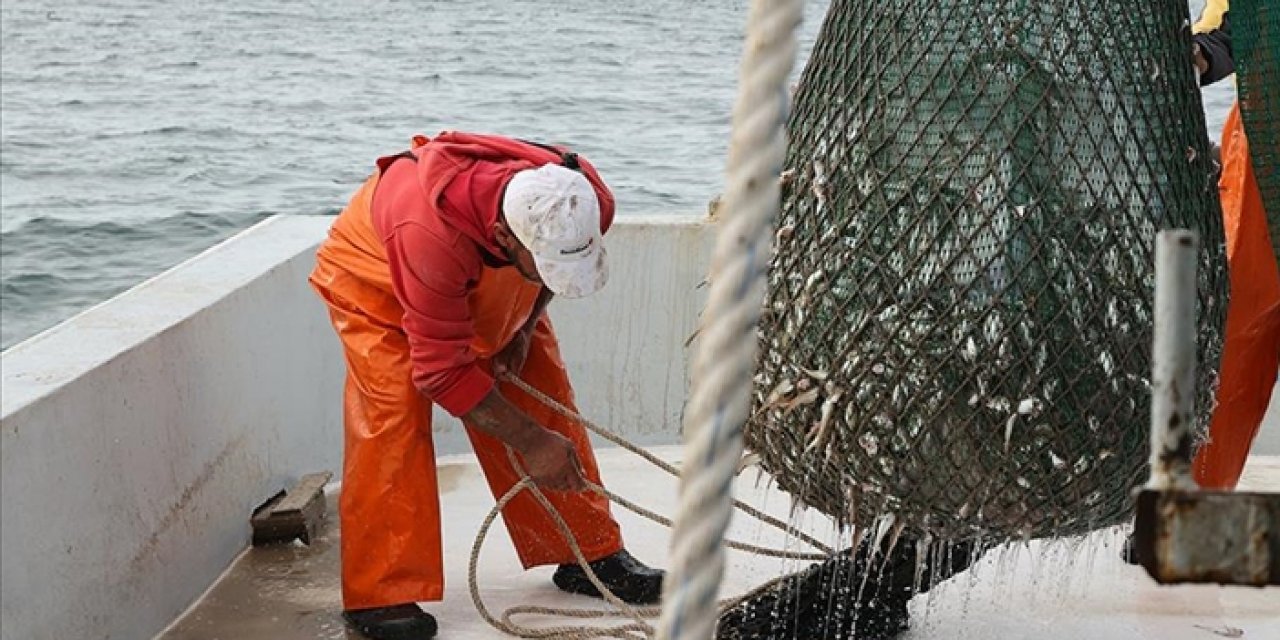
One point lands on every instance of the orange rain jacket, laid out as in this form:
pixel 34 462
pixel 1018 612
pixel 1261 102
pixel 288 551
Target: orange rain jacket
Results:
pixel 421 302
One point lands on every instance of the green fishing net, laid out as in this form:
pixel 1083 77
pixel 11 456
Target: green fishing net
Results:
pixel 957 332
pixel 1255 36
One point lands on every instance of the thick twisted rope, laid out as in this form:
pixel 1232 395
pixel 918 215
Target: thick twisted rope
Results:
pixel 638 627
pixel 725 357
pixel 776 523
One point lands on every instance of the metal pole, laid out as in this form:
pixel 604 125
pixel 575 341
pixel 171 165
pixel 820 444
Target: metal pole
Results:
pixel 1173 361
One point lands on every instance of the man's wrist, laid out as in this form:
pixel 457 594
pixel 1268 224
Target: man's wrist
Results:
pixel 496 417
pixel 530 439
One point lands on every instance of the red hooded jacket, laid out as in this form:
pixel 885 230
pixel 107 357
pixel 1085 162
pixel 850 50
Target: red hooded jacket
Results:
pixel 435 217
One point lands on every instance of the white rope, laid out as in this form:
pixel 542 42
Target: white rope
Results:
pixel 638 628
pixel 722 366
pixel 622 442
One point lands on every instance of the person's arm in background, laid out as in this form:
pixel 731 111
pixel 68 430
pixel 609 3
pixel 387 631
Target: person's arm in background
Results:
pixel 1213 53
pixel 1212 43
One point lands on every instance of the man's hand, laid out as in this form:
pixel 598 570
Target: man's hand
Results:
pixel 1202 63
pixel 552 462
pixel 550 458
pixel 511 359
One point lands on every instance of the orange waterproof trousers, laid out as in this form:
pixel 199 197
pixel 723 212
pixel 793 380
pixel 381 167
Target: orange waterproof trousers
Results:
pixel 1251 354
pixel 389 506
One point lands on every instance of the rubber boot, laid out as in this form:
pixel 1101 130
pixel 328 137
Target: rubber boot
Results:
pixel 626 577
pixel 398 622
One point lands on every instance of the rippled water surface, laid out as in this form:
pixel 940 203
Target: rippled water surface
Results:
pixel 137 132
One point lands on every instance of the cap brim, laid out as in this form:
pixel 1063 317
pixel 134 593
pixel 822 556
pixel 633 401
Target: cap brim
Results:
pixel 578 277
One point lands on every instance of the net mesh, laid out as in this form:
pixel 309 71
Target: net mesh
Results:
pixel 958 325
pixel 1255 35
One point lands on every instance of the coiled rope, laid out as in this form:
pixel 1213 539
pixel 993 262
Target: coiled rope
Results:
pixel 638 627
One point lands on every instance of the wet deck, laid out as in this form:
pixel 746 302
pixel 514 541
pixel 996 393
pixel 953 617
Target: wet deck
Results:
pixel 292 593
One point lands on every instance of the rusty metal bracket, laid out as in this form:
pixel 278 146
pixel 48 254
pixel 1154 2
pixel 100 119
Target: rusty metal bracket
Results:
pixel 293 515
pixel 1183 534
pixel 1223 537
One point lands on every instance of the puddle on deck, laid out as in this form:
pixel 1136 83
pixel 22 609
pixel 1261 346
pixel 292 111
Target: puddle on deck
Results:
pixel 280 592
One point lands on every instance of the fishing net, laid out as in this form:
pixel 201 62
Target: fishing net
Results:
pixel 1255 35
pixel 958 325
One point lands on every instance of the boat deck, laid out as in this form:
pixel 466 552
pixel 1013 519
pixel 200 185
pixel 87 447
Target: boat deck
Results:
pixel 1047 592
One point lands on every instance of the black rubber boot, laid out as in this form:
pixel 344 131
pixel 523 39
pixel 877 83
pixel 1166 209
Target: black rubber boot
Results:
pixel 626 577
pixel 398 622
pixel 850 596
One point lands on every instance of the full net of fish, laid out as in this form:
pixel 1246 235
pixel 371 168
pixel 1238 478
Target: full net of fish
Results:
pixel 958 326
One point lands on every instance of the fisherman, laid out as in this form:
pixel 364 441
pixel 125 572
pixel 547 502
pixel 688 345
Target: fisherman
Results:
pixel 437 276
pixel 1251 351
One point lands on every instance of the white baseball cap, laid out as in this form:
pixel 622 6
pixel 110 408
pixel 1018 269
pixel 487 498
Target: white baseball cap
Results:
pixel 555 214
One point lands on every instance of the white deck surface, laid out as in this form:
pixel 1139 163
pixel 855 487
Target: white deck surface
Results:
pixel 1065 592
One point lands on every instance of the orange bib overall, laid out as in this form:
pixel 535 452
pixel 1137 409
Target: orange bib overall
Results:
pixel 389 506
pixel 1251 354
